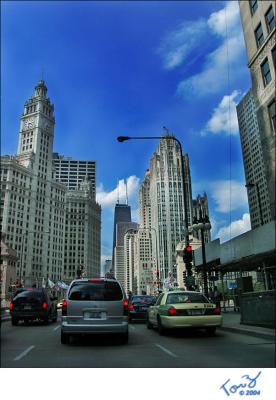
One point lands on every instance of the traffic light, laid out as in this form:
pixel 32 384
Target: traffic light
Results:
pixel 188 254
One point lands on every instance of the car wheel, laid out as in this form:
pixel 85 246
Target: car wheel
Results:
pixel 124 338
pixel 54 319
pixel 211 331
pixel 46 320
pixel 64 338
pixel 129 319
pixel 149 324
pixel 160 327
pixel 26 321
pixel 14 321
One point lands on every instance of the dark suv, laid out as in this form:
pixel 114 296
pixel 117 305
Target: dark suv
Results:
pixel 33 303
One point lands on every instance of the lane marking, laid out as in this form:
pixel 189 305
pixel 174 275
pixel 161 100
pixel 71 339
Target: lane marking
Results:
pixel 56 328
pixel 165 350
pixel 24 353
pixel 132 327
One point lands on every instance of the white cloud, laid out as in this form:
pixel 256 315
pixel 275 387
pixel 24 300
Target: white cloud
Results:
pixel 178 48
pixel 214 76
pixel 178 44
pixel 228 195
pixel 224 118
pixel 109 199
pixel 229 14
pixel 236 228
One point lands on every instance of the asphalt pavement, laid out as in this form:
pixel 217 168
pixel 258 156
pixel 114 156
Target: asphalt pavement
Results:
pixel 36 345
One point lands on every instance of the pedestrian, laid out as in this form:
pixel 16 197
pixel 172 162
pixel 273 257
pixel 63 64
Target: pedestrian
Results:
pixel 217 296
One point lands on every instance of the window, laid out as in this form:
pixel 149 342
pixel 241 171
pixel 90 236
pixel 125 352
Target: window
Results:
pixel 253 6
pixel 270 19
pixel 266 72
pixel 272 115
pixel 273 52
pixel 259 35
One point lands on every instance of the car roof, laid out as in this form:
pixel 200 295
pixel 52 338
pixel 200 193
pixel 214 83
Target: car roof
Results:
pixel 183 292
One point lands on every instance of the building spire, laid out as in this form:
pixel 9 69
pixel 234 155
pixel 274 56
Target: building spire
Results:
pixel 40 89
pixel 126 192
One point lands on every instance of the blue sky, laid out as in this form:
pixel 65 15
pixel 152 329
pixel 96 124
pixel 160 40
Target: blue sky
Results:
pixel 129 68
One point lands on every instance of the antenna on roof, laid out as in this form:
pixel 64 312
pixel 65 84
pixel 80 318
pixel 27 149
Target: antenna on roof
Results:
pixel 166 130
pixel 126 192
pixel 118 193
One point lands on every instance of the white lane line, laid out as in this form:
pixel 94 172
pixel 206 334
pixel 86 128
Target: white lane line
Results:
pixel 24 353
pixel 165 350
pixel 56 328
pixel 132 327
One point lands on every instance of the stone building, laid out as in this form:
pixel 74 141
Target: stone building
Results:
pixel 258 21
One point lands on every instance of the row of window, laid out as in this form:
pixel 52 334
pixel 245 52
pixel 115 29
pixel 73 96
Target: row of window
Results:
pixel 270 23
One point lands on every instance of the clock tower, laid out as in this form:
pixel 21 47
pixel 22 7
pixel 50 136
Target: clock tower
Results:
pixel 35 145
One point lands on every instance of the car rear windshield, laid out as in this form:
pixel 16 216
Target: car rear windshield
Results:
pixel 143 299
pixel 176 298
pixel 29 295
pixel 102 290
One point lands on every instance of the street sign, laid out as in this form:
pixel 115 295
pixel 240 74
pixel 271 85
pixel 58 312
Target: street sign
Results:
pixel 232 285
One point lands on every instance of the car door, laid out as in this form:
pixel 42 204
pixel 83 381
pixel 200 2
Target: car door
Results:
pixel 153 310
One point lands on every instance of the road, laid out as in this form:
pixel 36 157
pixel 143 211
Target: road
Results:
pixel 35 345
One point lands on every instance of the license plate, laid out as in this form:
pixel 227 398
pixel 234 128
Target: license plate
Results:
pixel 195 312
pixel 94 315
pixel 27 307
pixel 144 308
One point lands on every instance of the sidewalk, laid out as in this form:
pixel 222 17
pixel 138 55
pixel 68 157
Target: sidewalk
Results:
pixel 231 323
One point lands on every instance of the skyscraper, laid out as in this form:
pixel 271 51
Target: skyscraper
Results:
pixel 72 172
pixel 32 202
pixel 253 161
pixel 258 21
pixel 167 203
pixel 122 213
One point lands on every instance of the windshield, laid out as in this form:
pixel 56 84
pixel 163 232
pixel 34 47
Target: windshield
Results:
pixel 142 299
pixel 28 294
pixel 102 290
pixel 177 298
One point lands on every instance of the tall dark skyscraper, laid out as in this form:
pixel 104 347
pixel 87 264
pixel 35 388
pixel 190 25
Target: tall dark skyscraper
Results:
pixel 122 213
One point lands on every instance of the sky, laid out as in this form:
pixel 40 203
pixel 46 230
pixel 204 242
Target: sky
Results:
pixel 129 68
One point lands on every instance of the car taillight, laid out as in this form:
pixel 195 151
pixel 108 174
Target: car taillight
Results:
pixel 11 306
pixel 216 310
pixel 44 306
pixel 64 307
pixel 171 311
pixel 125 305
pixel 131 307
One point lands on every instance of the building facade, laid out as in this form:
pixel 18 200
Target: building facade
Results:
pixel 82 232
pixel 167 202
pixel 8 281
pixel 43 221
pixel 32 202
pixel 122 213
pixel 253 161
pixel 72 172
pixel 258 21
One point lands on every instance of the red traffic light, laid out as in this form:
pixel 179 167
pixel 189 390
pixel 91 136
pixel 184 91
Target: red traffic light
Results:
pixel 188 248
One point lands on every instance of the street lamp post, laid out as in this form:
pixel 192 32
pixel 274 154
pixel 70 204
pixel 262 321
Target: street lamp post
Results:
pixel 251 185
pixel 202 224
pixel 124 138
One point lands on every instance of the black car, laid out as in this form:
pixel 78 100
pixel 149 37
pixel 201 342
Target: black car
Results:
pixel 33 303
pixel 138 306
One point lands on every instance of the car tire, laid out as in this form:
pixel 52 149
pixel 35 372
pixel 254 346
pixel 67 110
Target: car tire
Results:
pixel 149 324
pixel 46 320
pixel 211 331
pixel 14 321
pixel 124 338
pixel 26 321
pixel 160 327
pixel 64 338
pixel 129 319
pixel 54 319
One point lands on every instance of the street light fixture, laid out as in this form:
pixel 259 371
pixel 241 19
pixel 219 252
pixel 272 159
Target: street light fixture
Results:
pixel 202 224
pixel 250 185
